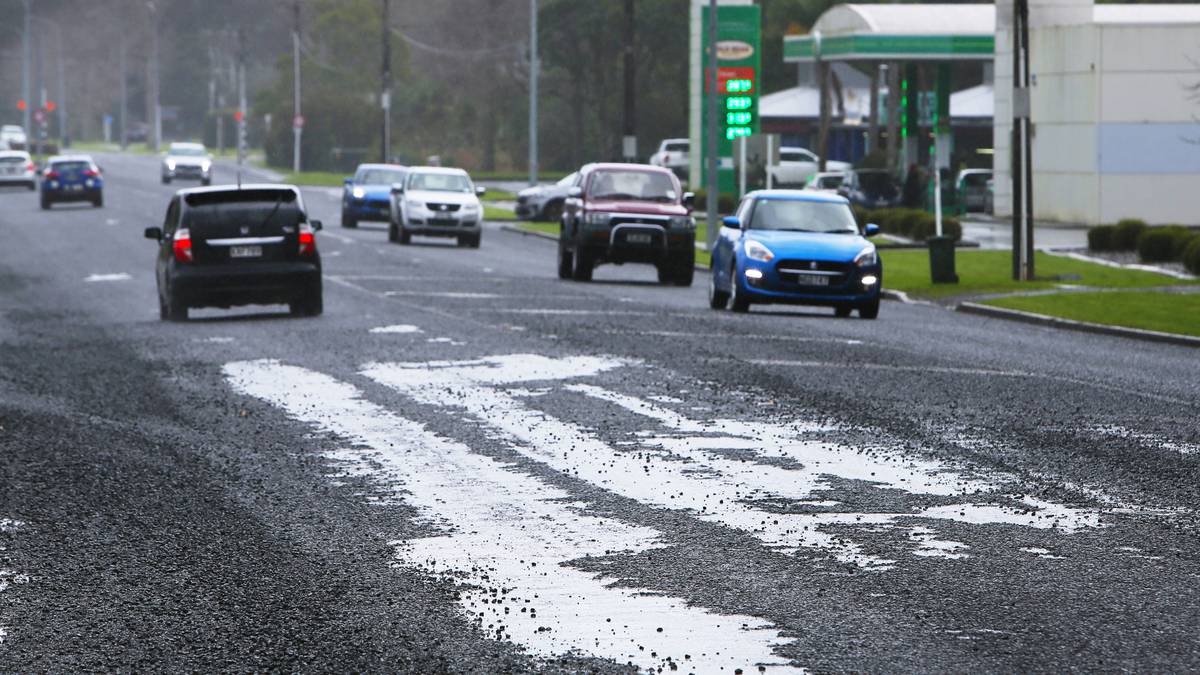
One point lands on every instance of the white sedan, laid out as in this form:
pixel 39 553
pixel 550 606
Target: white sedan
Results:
pixel 16 168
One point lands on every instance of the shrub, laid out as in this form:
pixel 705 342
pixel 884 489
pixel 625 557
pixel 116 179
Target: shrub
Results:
pixel 1164 244
pixel 915 224
pixel 1100 238
pixel 726 203
pixel 1126 233
pixel 1191 256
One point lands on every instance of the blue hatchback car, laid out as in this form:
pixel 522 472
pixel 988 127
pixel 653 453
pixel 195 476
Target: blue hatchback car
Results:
pixel 72 178
pixel 795 247
pixel 368 195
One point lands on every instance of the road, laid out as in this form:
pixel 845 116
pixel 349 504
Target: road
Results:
pixel 469 465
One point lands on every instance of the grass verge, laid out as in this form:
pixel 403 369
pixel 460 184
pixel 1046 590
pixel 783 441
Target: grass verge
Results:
pixel 495 213
pixel 1165 312
pixel 317 178
pixel 985 272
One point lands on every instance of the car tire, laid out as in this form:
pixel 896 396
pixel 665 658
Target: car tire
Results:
pixel 684 272
pixel 738 301
pixel 717 299
pixel 582 270
pixel 206 182
pixel 166 181
pixel 98 202
pixel 552 213
pixel 350 223
pixel 45 204
pixel 842 311
pixel 464 240
pixel 565 262
pixel 869 309
pixel 393 233
pixel 476 239
pixel 666 274
pixel 176 309
pixel 312 304
pixel 405 237
pixel 32 186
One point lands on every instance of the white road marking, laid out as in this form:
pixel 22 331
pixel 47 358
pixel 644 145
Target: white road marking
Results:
pixel 119 276
pixel 740 336
pixel 338 237
pixel 219 340
pixel 445 340
pixel 1118 431
pixel 402 328
pixel 511 536
pixel 111 221
pixel 8 577
pixel 688 475
pixel 575 312
pixel 460 295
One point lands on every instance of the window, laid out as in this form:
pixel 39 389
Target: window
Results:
pixel 639 185
pixel 439 182
pixel 803 216
pixel 379 177
pixel 677 147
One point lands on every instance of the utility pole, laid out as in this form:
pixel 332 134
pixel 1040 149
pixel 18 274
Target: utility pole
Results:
pixel 241 113
pixel 629 146
pixel 297 120
pixel 156 107
pixel 385 96
pixel 534 68
pixel 1021 148
pixel 124 98
pixel 26 61
pixel 713 185
pixel 63 134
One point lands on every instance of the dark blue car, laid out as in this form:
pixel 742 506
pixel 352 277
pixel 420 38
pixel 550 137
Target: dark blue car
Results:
pixel 72 178
pixel 796 247
pixel 368 195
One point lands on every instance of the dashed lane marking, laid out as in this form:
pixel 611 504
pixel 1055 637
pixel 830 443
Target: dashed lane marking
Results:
pixel 119 276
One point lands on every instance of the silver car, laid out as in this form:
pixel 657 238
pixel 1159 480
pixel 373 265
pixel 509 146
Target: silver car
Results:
pixel 187 161
pixel 544 202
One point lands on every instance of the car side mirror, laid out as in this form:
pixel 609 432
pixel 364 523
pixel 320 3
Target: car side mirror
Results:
pixel 480 191
pixel 575 192
pixel 154 233
pixel 348 182
pixel 397 188
pixel 39 171
pixel 316 225
pixel 689 199
pixel 732 221
pixel 872 229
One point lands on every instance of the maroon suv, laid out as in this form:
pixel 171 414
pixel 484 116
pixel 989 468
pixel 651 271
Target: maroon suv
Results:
pixel 619 213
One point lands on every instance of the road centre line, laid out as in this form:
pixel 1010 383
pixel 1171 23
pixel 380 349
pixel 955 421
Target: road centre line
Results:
pixel 510 537
pixel 746 336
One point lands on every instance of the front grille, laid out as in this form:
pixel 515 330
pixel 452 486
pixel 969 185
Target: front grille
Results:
pixel 381 204
pixel 443 208
pixel 640 220
pixel 522 200
pixel 790 270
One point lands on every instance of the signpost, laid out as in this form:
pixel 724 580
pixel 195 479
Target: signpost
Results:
pixel 739 60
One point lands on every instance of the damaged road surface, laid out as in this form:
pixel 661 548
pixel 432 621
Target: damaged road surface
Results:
pixel 468 465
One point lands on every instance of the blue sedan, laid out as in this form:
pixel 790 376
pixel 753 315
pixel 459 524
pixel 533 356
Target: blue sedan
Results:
pixel 72 178
pixel 795 247
pixel 368 195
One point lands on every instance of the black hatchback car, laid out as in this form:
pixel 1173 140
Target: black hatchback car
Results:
pixel 229 246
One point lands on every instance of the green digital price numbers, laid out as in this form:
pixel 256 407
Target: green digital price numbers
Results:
pixel 739 86
pixel 739 118
pixel 739 103
pixel 737 132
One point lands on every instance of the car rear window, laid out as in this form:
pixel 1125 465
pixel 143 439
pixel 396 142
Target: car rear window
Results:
pixel 269 209
pixel 71 166
pixel 677 147
pixel 12 159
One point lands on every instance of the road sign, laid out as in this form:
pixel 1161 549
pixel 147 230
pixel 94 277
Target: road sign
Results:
pixel 739 59
pixel 298 122
pixel 39 116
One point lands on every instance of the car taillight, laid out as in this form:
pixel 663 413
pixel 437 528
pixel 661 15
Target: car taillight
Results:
pixel 91 173
pixel 182 245
pixel 30 167
pixel 308 243
pixel 52 174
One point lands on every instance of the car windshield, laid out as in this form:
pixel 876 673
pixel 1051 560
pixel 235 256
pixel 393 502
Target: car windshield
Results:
pixel 187 151
pixel 568 180
pixel 640 185
pixel 793 156
pixel 877 183
pixel 677 147
pixel 797 215
pixel 439 182
pixel 829 182
pixel 379 177
pixel 976 179
pixel 71 166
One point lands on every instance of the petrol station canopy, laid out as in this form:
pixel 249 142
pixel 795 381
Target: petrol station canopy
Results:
pixel 899 33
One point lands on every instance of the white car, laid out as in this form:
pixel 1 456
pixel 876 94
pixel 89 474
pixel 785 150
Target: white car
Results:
pixel 825 181
pixel 797 165
pixel 187 161
pixel 16 168
pixel 12 137
pixel 436 202
pixel 673 154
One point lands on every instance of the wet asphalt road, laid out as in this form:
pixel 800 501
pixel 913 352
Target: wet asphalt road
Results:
pixel 468 465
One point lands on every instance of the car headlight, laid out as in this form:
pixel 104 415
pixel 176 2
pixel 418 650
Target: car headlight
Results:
pixel 205 166
pixel 756 251
pixel 170 165
pixel 413 206
pixel 470 208
pixel 867 257
pixel 358 193
pixel 596 218
pixel 683 221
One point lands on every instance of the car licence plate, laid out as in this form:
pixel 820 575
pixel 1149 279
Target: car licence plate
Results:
pixel 245 251
pixel 638 238
pixel 812 280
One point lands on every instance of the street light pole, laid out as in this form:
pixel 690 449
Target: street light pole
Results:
pixel 712 183
pixel 124 98
pixel 156 108
pixel 534 67
pixel 385 97
pixel 297 129
pixel 27 49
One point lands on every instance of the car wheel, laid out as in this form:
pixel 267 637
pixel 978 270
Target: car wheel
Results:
pixel 476 239
pixel 163 315
pixel 393 233
pixel 312 304
pixel 464 240
pixel 869 309
pixel 582 270
pixel 350 223
pixel 32 186
pixel 206 182
pixel 841 311
pixel 683 273
pixel 166 181
pixel 98 201
pixel 665 273
pixel 565 260
pixel 717 299
pixel 45 204
pixel 738 301
pixel 553 212
pixel 176 309
pixel 405 235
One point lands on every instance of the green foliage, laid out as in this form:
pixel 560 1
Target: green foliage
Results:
pixel 1191 256
pixel 1126 233
pixel 1100 237
pixel 1164 244
pixel 727 202
pixel 915 224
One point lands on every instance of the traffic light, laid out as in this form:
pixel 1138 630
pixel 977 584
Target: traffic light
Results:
pixel 50 106
pixel 21 104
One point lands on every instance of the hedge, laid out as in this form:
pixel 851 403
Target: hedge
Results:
pixel 727 202
pixel 915 224
pixel 1191 256
pixel 1164 244
pixel 1100 237
pixel 1126 234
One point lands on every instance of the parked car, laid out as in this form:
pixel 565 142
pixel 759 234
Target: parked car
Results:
pixel 228 246
pixel 870 189
pixel 187 161
pixel 825 181
pixel 973 187
pixel 72 178
pixel 17 168
pixel 368 194
pixel 544 202
pixel 795 247
pixel 674 154
pixel 13 137
pixel 437 202
pixel 797 165
pixel 619 213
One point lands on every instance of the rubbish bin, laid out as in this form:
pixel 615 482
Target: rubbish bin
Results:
pixel 941 260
